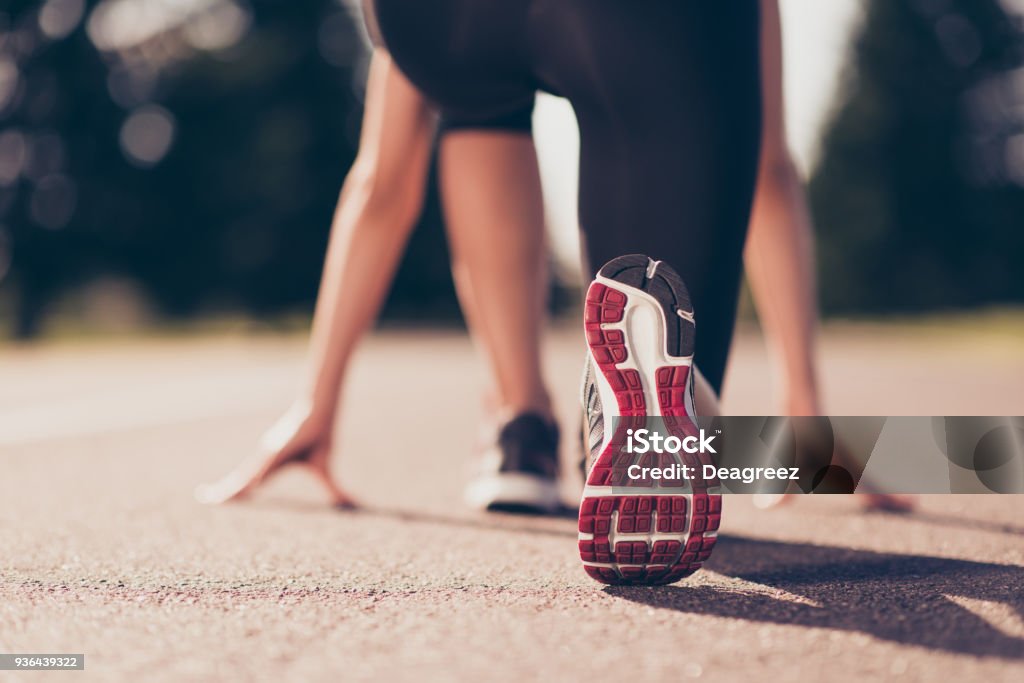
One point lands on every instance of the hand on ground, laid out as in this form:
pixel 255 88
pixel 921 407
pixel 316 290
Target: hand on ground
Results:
pixel 295 439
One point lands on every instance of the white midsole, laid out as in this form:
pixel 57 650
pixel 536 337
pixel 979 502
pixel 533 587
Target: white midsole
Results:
pixel 512 488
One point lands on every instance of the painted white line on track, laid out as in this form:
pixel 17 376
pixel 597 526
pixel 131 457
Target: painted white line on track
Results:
pixel 162 403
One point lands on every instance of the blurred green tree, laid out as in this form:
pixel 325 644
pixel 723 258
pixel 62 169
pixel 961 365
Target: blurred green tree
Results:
pixel 197 150
pixel 919 193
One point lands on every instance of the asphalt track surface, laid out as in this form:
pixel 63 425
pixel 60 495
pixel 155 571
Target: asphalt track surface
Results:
pixel 104 552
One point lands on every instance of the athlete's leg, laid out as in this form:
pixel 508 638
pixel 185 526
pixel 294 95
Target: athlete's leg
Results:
pixel 468 56
pixel 667 95
pixel 492 197
pixel 490 185
pixel 779 255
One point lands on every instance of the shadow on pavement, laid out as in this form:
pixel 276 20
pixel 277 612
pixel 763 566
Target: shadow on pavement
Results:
pixel 901 598
pixel 552 524
pixel 500 520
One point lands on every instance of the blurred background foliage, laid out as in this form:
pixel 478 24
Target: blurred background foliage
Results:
pixel 918 197
pixel 194 148
pixel 191 151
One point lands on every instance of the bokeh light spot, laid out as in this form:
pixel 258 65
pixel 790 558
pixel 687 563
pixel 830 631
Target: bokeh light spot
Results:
pixel 218 28
pixel 58 18
pixel 1015 159
pixel 9 80
pixel 147 135
pixel 13 153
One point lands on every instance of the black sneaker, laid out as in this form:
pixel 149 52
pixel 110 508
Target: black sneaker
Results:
pixel 640 330
pixel 519 469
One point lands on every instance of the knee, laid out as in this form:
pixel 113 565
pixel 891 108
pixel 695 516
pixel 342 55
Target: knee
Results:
pixel 395 197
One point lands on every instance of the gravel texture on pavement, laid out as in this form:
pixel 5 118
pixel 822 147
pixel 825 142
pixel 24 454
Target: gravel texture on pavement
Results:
pixel 103 550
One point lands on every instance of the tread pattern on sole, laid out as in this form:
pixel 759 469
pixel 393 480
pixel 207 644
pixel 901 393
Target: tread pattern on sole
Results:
pixel 644 539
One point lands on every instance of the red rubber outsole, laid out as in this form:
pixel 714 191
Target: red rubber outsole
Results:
pixel 672 533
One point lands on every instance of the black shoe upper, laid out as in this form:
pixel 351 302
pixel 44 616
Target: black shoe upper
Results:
pixel 529 445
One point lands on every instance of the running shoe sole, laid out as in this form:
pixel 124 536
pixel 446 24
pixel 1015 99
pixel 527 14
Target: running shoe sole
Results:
pixel 514 492
pixel 640 331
